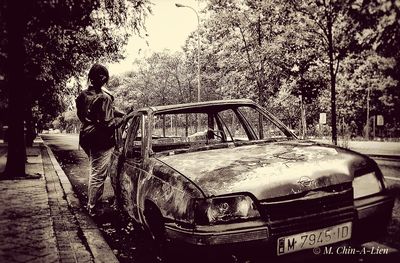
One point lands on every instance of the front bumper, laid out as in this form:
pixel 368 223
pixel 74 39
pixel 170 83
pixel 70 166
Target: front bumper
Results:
pixel 370 211
pixel 220 234
pixel 373 216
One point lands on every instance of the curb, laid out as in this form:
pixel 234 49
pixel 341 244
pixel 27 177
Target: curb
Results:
pixel 385 156
pixel 98 247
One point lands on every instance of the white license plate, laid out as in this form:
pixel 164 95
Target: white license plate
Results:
pixel 315 238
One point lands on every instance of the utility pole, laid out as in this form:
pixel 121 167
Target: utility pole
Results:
pixel 198 49
pixel 198 60
pixel 367 126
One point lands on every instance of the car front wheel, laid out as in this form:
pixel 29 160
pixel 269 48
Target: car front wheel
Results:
pixel 156 230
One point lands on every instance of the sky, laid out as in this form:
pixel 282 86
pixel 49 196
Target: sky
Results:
pixel 167 28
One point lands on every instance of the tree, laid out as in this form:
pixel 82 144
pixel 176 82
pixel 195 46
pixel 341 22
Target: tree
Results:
pixel 302 63
pixel 3 43
pixel 68 121
pixel 362 74
pixel 162 78
pixel 239 56
pixel 263 48
pixel 48 42
pixel 379 31
pixel 334 28
pixel 15 24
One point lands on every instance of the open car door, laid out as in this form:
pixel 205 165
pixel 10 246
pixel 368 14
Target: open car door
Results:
pixel 117 157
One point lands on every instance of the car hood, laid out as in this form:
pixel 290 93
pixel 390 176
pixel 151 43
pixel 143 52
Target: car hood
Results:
pixel 268 170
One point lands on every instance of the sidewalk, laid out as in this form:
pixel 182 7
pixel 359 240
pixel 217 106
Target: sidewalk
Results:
pixel 371 148
pixel 42 220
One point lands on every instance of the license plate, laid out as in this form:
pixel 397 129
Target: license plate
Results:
pixel 315 238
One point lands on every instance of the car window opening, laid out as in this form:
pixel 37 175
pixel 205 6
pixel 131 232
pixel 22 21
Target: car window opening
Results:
pixel 177 132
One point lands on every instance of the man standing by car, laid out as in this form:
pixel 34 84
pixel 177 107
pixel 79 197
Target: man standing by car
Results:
pixel 97 135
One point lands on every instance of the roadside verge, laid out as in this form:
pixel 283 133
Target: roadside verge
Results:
pixel 96 244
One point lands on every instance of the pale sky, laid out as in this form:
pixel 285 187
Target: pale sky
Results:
pixel 167 28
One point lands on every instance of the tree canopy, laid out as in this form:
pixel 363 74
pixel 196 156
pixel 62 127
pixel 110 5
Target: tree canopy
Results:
pixel 63 38
pixel 279 53
pixel 285 54
pixel 48 42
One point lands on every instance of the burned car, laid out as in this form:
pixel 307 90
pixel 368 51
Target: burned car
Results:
pixel 229 172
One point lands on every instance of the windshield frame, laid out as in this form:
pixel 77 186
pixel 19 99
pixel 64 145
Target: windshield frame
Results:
pixel 251 133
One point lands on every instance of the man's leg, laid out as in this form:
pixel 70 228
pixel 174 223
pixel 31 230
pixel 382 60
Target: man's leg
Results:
pixel 113 169
pixel 100 161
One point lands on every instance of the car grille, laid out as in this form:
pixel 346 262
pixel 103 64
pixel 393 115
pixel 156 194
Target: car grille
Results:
pixel 315 209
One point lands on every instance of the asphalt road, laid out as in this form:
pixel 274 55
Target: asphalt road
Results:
pixel 74 162
pixel 121 235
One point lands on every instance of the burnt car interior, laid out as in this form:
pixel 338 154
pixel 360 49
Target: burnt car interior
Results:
pixel 134 139
pixel 214 127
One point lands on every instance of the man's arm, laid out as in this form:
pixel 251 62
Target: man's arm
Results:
pixel 104 112
pixel 118 113
pixel 80 104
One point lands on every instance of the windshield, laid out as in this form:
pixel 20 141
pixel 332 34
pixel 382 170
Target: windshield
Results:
pixel 213 128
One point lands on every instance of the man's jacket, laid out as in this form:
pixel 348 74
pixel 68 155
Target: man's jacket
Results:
pixel 96 112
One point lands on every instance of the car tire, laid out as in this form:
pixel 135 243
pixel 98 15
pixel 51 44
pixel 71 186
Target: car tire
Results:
pixel 156 230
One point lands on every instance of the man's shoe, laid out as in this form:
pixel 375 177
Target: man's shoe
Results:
pixel 115 206
pixel 95 212
pixel 91 212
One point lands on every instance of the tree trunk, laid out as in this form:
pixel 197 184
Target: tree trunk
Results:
pixel 30 133
pixel 163 125
pixel 16 23
pixel 367 124
pixel 303 118
pixel 186 125
pixel 261 83
pixel 260 116
pixel 333 80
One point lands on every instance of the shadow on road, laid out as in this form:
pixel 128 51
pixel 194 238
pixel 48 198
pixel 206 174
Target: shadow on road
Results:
pixel 129 244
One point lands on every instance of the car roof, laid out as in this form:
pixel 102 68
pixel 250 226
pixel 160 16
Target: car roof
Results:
pixel 197 106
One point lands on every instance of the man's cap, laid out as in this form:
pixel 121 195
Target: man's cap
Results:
pixel 98 72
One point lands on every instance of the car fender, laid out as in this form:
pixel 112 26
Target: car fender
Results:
pixel 170 191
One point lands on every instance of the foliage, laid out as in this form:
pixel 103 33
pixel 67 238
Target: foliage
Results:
pixel 378 26
pixel 63 38
pixel 67 121
pixel 275 51
pixel 264 51
pixel 378 29
pixel 160 79
pixel 360 72
pixel 48 42
pixel 241 58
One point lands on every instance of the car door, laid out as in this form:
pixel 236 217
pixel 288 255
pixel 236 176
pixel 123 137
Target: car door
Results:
pixel 117 158
pixel 132 167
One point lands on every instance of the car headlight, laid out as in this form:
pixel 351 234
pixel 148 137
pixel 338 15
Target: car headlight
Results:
pixel 225 209
pixel 366 184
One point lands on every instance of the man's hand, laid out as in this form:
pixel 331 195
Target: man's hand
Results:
pixel 125 118
pixel 118 113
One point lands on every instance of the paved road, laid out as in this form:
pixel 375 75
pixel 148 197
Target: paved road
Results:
pixel 121 236
pixel 390 169
pixel 74 160
pixel 75 165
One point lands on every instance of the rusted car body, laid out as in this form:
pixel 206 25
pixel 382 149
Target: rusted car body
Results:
pixel 228 172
